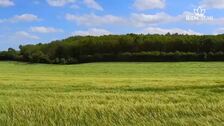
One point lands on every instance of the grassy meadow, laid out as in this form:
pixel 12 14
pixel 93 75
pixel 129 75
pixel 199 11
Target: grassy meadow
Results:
pixel 109 94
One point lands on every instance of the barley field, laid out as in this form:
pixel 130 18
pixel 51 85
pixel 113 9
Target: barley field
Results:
pixel 109 94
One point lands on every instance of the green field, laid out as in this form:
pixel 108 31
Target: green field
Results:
pixel 108 94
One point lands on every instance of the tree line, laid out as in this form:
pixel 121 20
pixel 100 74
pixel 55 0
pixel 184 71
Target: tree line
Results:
pixel 130 47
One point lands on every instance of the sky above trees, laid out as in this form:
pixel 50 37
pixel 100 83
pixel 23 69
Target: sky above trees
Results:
pixel 35 21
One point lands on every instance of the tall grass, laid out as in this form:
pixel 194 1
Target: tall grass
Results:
pixel 112 94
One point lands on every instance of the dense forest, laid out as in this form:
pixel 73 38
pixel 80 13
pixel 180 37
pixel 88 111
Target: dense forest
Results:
pixel 130 47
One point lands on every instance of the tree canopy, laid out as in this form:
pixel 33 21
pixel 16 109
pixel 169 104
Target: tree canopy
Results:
pixel 130 47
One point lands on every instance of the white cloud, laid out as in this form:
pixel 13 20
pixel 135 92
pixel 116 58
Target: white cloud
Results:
pixel 149 30
pixel 25 18
pixel 14 39
pixel 2 21
pixel 42 29
pixel 149 4
pixel 140 19
pixel 156 30
pixel 75 4
pixel 36 2
pixel 146 19
pixel 93 20
pixel 143 20
pixel 93 4
pixel 93 32
pixel 59 3
pixel 219 21
pixel 219 31
pixel 218 4
pixel 214 21
pixel 21 18
pixel 22 35
pixel 6 3
pixel 136 19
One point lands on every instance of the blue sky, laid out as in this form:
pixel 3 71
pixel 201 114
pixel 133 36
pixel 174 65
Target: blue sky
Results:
pixel 35 21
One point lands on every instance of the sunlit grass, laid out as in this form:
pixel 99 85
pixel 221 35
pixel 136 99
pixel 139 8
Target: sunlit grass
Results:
pixel 102 94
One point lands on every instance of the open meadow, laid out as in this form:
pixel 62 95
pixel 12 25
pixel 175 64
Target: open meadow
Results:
pixel 106 94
